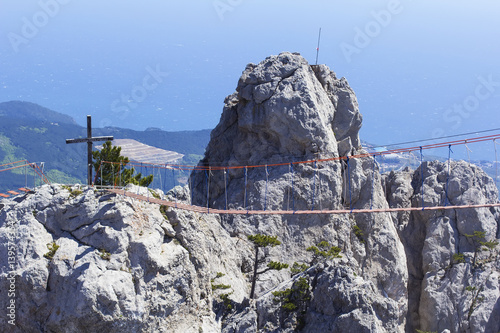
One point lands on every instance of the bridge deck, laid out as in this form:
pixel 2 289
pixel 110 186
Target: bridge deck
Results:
pixel 206 210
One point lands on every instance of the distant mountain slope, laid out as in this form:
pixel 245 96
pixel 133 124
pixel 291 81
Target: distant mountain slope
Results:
pixel 31 111
pixel 39 141
pixel 32 132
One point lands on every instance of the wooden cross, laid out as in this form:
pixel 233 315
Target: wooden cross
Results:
pixel 89 139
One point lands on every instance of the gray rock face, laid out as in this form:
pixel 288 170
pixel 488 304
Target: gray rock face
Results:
pixel 286 110
pixel 124 265
pixel 283 107
pixel 340 301
pixel 446 292
pixel 116 269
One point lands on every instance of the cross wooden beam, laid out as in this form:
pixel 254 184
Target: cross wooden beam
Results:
pixel 89 139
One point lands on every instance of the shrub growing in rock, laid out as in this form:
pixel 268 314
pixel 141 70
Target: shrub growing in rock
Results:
pixel 295 300
pixel 226 301
pixel 105 254
pixel 262 241
pixel 476 299
pixel 458 258
pixel 114 172
pixel 298 268
pixel 323 251
pixel 359 233
pixel 478 240
pixel 53 247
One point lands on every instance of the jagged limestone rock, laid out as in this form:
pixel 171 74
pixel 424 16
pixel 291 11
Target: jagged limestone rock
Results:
pixel 285 110
pixel 115 269
pixel 438 295
pixel 124 265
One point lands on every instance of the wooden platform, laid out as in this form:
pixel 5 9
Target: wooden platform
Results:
pixel 14 193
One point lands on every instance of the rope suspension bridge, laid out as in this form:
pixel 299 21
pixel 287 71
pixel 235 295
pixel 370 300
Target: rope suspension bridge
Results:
pixel 244 210
pixel 36 169
pixel 23 166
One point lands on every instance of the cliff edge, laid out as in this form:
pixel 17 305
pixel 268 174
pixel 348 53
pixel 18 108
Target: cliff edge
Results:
pixel 78 259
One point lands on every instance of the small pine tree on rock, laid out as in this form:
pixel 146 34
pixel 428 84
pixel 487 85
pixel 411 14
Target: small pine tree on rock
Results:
pixel 478 239
pixel 323 251
pixel 114 172
pixel 262 241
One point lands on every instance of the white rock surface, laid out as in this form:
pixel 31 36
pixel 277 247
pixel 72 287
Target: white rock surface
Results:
pixel 151 282
pixel 285 110
pixel 123 266
pixel 438 285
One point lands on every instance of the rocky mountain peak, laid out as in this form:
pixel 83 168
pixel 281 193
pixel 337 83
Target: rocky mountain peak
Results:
pixel 88 260
pixel 285 107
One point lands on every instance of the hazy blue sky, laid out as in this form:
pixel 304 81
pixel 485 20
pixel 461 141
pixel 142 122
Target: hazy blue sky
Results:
pixel 419 68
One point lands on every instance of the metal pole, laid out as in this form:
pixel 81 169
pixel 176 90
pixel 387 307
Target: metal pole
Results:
pixel 317 49
pixel 496 161
pixel 89 150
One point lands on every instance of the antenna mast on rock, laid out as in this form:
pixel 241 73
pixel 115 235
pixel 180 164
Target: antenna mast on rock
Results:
pixel 317 49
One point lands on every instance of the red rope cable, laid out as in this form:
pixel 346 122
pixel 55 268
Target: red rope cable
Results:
pixel 13 163
pixel 96 173
pixel 39 172
pixel 337 158
pixel 242 211
pixel 16 167
pixel 34 166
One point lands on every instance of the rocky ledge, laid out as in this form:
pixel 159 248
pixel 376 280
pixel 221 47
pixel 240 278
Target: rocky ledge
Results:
pixel 76 259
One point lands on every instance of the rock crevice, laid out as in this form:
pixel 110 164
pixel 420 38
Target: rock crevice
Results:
pixel 126 266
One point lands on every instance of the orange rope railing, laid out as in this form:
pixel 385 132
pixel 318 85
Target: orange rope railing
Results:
pixel 22 164
pixel 309 161
pixel 242 211
pixel 245 210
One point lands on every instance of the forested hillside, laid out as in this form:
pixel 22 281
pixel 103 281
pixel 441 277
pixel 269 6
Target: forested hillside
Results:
pixel 29 131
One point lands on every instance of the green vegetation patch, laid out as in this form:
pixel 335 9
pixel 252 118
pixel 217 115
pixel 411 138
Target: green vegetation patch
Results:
pixel 37 130
pixel 53 247
pixel 163 211
pixel 295 300
pixel 458 258
pixel 298 268
pixel 324 251
pixel 73 193
pixel 359 233
pixel 226 301
pixel 228 304
pixel 105 254
pixel 154 194
pixel 59 177
pixel 11 153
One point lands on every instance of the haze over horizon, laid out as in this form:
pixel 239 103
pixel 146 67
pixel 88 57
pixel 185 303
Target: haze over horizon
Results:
pixel 419 69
